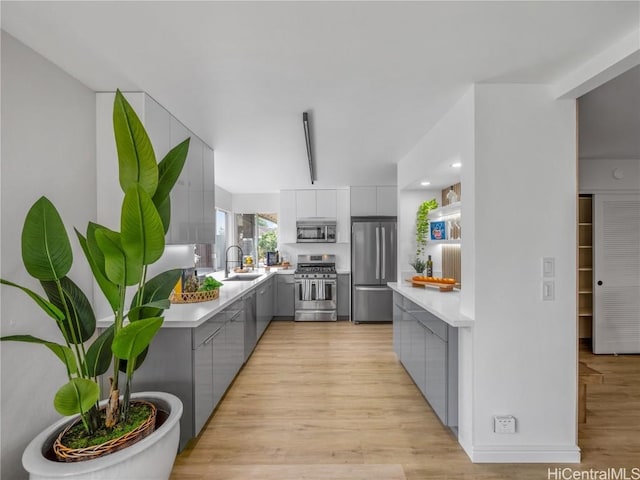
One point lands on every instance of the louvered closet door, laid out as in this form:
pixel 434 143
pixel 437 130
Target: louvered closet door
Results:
pixel 616 274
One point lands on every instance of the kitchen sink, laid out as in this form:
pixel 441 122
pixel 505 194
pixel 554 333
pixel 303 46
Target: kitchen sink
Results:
pixel 242 277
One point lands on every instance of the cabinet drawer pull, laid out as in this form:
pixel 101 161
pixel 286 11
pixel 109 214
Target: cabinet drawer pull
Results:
pixel 210 337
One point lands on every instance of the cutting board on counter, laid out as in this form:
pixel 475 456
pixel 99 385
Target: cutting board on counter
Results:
pixel 443 287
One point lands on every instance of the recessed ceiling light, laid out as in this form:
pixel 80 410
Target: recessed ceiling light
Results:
pixel 456 165
pixel 424 184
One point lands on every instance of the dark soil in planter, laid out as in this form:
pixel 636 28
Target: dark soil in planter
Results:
pixel 47 448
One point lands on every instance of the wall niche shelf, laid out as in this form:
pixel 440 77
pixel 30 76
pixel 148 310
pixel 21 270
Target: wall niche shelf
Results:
pixel 585 266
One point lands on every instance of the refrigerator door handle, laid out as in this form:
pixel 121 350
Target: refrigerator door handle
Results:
pixel 371 289
pixel 377 253
pixel 384 254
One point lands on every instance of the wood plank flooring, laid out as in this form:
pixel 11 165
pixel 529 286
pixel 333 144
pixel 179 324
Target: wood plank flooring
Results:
pixel 331 401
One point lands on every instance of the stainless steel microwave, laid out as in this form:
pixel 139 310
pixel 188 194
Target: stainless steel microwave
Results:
pixel 316 231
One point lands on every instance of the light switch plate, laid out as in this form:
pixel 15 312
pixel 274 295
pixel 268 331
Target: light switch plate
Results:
pixel 548 290
pixel 548 267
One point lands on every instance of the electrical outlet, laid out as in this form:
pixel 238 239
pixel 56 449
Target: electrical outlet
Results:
pixel 504 424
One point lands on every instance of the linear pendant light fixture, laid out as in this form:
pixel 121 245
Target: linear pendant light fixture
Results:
pixel 307 139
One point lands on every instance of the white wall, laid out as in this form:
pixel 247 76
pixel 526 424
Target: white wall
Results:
pixel 48 148
pixel 607 175
pixel 517 147
pixel 524 349
pixel 256 202
pixel 224 199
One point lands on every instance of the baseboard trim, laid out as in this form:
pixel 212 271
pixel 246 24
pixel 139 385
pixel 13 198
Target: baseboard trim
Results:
pixel 525 454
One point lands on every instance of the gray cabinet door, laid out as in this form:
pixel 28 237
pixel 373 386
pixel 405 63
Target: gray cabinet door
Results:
pixel 235 343
pixel 397 324
pixel 417 353
pixel 344 290
pixel 284 296
pixel 203 396
pixel 220 361
pixel 436 374
pixel 264 306
pixel 250 324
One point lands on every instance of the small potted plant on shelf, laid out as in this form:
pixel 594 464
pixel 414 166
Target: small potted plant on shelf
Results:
pixel 119 430
pixel 418 265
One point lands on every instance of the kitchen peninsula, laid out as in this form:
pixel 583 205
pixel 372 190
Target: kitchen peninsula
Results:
pixel 425 339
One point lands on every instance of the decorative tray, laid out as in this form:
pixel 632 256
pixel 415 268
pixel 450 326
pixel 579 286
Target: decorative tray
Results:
pixel 195 297
pixel 443 287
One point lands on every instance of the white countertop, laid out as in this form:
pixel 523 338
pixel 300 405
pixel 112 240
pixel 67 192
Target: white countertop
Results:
pixel 191 315
pixel 444 305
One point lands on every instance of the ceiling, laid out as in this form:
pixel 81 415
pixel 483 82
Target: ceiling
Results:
pixel 375 76
pixel 609 119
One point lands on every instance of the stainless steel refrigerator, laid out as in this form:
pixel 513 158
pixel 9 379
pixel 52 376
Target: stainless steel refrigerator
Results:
pixel 373 264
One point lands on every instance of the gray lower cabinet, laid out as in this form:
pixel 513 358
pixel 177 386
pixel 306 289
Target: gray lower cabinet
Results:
pixel 428 349
pixel 250 324
pixel 284 306
pixel 264 306
pixel 196 364
pixel 344 292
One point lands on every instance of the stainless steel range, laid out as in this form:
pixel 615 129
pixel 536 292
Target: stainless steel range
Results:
pixel 316 290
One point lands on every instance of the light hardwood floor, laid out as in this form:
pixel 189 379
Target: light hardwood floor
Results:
pixel 331 401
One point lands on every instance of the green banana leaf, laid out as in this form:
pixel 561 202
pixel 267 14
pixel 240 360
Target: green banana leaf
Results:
pixel 48 307
pixel 142 231
pixel 157 288
pixel 82 322
pixel 148 310
pixel 46 251
pixel 136 159
pixel 164 210
pixel 98 358
pixel 64 353
pixel 169 170
pixel 123 364
pixel 129 342
pixel 115 265
pixel 96 263
pixel 76 396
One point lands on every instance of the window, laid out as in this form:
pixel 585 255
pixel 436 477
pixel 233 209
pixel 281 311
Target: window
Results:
pixel 221 238
pixel 257 234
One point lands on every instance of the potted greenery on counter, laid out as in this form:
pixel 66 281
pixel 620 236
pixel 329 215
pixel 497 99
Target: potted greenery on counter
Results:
pixel 117 260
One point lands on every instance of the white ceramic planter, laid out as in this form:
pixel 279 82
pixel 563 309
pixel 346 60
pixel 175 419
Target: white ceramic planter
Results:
pixel 151 458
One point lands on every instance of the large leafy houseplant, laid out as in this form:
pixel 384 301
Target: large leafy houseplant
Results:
pixel 118 260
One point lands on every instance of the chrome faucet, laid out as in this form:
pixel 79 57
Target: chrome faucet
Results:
pixel 226 259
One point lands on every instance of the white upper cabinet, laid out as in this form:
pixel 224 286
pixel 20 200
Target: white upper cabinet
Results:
pixel 192 210
pixel 363 201
pixel 343 216
pixel 387 200
pixel 326 202
pixel 374 200
pixel 315 203
pixel 305 203
pixel 287 217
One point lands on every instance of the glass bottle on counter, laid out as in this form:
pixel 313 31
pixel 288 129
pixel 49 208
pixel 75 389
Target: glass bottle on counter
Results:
pixel 429 267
